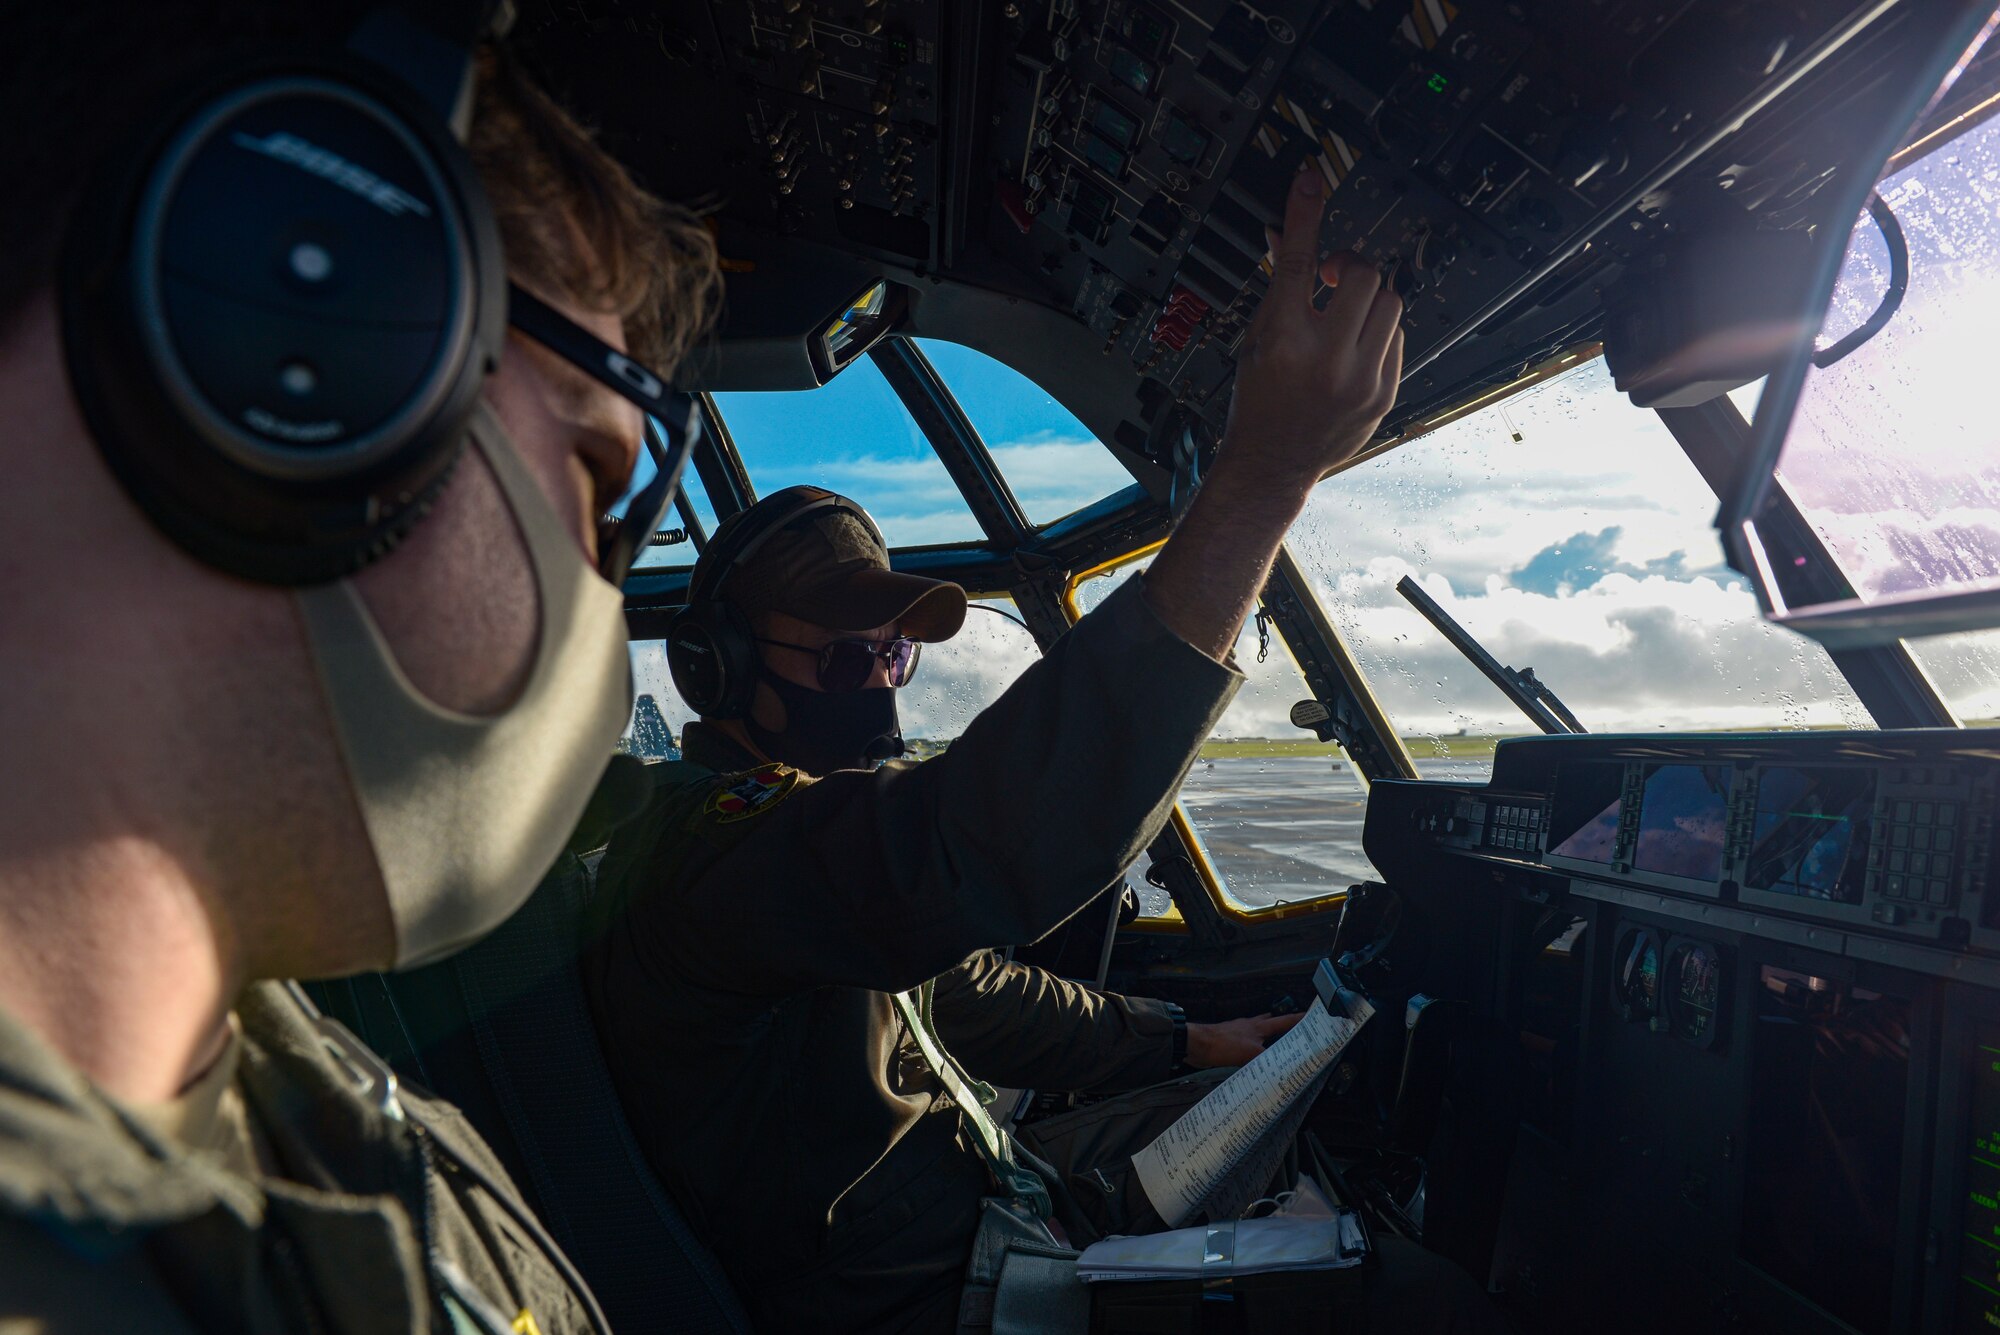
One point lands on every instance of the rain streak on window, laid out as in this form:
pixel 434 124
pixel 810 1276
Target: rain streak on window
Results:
pixel 1568 533
pixel 957 678
pixel 1893 453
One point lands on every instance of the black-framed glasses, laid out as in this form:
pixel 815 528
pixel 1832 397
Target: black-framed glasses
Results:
pixel 673 423
pixel 846 665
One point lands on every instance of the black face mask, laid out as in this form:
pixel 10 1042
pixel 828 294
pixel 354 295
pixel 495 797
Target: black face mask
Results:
pixel 830 730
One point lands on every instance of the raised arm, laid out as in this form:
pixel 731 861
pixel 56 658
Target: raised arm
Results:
pixel 1311 387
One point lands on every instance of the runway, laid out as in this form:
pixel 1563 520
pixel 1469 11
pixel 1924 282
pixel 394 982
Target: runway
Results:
pixel 1283 829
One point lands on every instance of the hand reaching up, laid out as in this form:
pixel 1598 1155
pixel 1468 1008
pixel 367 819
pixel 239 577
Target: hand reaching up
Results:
pixel 1312 385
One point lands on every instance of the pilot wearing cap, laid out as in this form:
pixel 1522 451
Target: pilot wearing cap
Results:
pixel 778 888
pixel 792 974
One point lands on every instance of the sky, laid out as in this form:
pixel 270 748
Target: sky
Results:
pixel 1564 528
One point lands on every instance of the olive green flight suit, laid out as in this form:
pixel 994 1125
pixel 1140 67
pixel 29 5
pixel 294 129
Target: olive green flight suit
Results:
pixel 757 923
pixel 380 1223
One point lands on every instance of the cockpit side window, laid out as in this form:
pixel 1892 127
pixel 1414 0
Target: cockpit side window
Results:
pixel 658 713
pixel 1569 533
pixel 1275 813
pixel 957 678
pixel 1891 454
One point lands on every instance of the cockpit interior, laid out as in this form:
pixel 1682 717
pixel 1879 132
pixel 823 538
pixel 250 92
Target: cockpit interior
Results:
pixel 1684 934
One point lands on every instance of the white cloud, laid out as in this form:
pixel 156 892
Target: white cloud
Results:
pixel 1650 633
pixel 916 502
pixel 1052 475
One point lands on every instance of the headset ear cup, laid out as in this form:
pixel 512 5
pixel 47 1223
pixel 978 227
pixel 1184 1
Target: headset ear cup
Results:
pixel 712 655
pixel 737 644
pixel 211 282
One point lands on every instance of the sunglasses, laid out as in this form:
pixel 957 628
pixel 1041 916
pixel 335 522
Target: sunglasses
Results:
pixel 673 424
pixel 846 665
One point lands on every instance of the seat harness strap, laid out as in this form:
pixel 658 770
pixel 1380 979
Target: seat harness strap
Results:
pixel 1017 1181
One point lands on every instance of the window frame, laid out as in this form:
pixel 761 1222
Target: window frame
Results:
pixel 1178 821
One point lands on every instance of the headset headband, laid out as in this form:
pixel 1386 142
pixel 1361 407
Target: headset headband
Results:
pixel 744 543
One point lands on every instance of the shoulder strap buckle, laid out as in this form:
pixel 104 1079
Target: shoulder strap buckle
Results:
pixel 373 1080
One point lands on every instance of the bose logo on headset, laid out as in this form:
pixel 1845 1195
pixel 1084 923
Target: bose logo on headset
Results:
pixel 333 168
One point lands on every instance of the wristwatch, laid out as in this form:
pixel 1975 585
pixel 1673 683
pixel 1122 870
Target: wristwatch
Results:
pixel 1179 1017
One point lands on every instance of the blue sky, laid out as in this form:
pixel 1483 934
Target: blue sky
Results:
pixel 855 437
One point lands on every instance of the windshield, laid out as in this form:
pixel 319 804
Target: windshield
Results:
pixel 854 436
pixel 1566 531
pixel 1893 453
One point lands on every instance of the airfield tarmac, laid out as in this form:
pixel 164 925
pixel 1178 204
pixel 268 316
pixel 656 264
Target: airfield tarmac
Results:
pixel 1283 827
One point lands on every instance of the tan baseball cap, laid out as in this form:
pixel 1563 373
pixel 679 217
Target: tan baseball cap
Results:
pixel 828 568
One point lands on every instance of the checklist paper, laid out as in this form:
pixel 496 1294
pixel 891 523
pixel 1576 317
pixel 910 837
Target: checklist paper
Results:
pixel 1193 1160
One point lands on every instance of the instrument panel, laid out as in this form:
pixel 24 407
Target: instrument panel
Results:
pixel 1115 163
pixel 1864 830
pixel 1145 148
pixel 1773 1088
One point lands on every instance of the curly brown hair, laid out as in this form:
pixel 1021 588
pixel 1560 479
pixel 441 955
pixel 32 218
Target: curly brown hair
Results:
pixel 650 262
pixel 76 76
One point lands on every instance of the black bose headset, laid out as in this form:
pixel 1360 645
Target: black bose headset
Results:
pixel 711 647
pixel 279 303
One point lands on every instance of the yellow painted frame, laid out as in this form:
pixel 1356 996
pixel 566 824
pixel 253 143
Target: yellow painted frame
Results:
pixel 1184 828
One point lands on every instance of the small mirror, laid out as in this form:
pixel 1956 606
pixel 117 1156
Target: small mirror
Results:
pixel 857 327
pixel 1884 434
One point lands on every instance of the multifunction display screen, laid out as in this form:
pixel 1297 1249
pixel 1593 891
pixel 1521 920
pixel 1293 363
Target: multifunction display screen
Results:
pixel 1583 818
pixel 1683 818
pixel 1810 835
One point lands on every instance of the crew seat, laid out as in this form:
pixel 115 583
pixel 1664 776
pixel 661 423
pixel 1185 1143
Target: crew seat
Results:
pixel 504 1031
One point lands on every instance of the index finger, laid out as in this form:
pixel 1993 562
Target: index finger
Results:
pixel 1295 266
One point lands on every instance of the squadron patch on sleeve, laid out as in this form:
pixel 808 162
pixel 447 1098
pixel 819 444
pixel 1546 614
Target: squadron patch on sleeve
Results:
pixel 741 796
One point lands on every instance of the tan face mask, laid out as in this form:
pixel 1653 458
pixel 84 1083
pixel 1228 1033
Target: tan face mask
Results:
pixel 466 813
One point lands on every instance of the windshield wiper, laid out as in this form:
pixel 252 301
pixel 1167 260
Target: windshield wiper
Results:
pixel 1524 688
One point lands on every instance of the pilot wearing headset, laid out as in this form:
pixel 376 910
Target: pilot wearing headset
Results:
pixel 311 649
pixel 786 982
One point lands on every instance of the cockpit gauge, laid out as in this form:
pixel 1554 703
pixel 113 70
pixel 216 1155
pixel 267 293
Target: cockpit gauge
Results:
pixel 1697 992
pixel 1635 982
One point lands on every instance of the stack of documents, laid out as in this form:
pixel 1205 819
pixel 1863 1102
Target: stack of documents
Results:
pixel 1243 1247
pixel 1193 1161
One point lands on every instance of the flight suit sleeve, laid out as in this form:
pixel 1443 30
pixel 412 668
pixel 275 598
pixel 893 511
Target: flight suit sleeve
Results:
pixel 884 879
pixel 1017 1025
